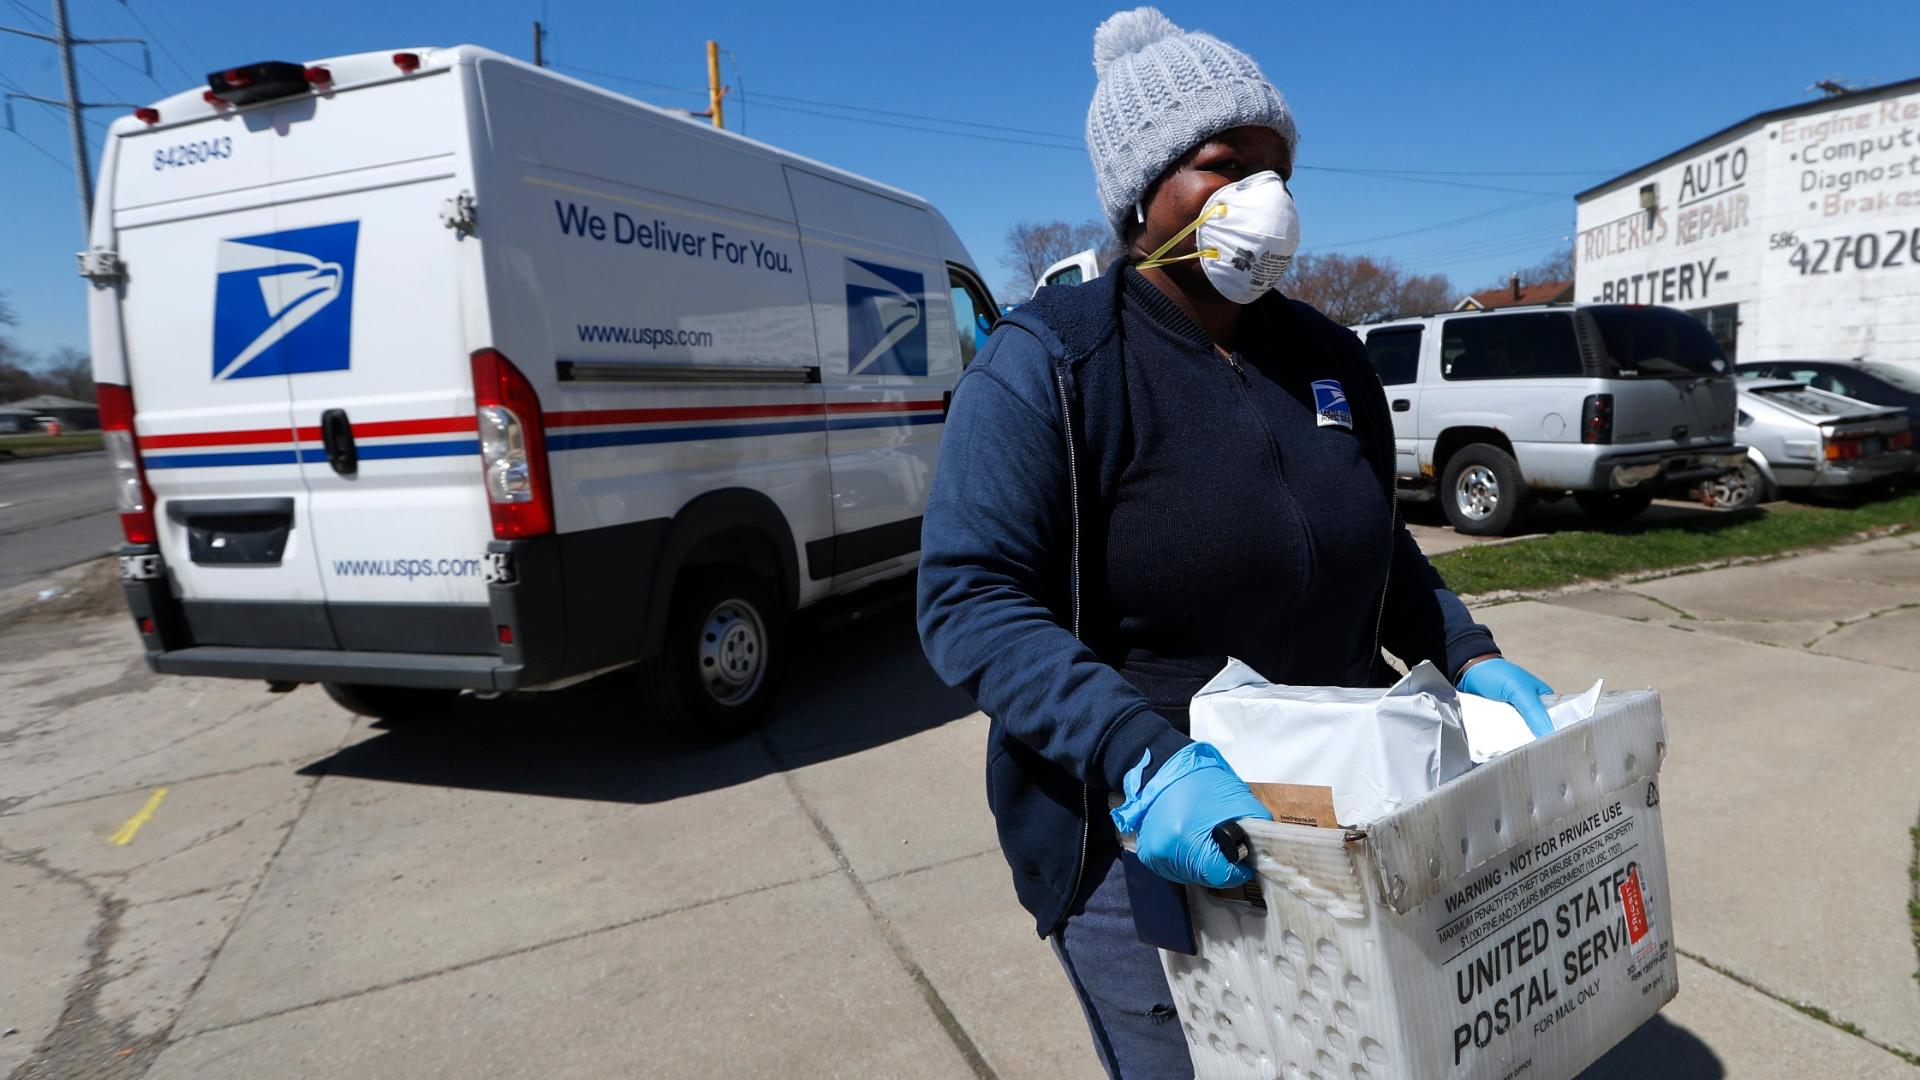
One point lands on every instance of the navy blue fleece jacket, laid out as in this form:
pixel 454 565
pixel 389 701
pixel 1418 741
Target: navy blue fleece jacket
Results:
pixel 1096 428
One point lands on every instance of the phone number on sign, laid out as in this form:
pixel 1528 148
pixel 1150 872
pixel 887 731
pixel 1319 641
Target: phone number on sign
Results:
pixel 193 153
pixel 1878 250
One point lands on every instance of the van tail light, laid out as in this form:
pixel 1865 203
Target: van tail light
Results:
pixel 130 488
pixel 1901 440
pixel 513 448
pixel 1596 420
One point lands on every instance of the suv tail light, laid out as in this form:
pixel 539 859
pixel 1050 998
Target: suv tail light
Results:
pixel 513 448
pixel 130 488
pixel 1596 420
pixel 1900 440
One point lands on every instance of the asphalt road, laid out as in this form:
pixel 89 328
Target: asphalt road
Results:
pixel 54 512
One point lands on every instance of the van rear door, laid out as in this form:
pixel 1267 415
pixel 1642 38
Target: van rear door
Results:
pixel 386 417
pixel 1670 382
pixel 205 315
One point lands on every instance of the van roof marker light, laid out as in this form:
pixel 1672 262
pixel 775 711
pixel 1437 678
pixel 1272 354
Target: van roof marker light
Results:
pixel 318 75
pixel 147 115
pixel 407 62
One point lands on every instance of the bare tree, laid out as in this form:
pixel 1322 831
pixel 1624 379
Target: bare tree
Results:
pixel 1353 289
pixel 1554 266
pixel 68 372
pixel 1032 246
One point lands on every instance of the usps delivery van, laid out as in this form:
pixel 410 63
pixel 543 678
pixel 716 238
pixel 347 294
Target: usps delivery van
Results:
pixel 433 371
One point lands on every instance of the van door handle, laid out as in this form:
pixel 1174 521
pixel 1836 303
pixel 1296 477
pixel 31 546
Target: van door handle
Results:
pixel 946 405
pixel 336 434
pixel 1401 404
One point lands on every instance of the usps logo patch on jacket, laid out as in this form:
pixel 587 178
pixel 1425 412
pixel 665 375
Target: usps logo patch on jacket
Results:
pixel 1330 404
pixel 283 302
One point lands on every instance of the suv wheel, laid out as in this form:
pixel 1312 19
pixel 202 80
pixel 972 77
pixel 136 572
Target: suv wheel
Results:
pixel 1613 507
pixel 723 659
pixel 1482 490
pixel 391 702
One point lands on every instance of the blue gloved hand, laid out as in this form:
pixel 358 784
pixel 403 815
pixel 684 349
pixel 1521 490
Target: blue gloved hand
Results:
pixel 1173 816
pixel 1504 680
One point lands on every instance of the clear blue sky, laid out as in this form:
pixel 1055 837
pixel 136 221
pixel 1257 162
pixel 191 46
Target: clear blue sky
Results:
pixel 1526 97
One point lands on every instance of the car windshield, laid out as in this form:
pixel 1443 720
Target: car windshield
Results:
pixel 1904 378
pixel 1657 342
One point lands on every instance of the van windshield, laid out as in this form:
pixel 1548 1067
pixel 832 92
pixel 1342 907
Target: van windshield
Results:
pixel 1657 342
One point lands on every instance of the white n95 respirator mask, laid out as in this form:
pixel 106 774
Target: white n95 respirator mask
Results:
pixel 1245 237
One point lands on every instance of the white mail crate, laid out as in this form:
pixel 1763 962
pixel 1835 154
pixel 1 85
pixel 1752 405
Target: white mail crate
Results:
pixel 1513 923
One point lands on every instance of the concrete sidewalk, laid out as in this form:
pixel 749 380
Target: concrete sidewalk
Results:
pixel 536 887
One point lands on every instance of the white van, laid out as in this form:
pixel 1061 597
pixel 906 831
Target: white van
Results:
pixel 433 371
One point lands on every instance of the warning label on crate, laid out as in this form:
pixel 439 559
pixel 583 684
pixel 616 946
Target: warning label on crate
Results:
pixel 1546 929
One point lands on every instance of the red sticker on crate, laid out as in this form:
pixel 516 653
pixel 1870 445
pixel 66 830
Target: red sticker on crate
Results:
pixel 1634 903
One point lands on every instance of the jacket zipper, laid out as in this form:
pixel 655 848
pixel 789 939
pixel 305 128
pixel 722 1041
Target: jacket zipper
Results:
pixel 1073 502
pixel 1393 537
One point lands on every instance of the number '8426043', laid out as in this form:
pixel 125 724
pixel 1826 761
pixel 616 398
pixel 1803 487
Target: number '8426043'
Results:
pixel 198 152
pixel 1879 250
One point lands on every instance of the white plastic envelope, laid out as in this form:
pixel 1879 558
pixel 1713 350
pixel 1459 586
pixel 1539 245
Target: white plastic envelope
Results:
pixel 1376 750
pixel 1495 727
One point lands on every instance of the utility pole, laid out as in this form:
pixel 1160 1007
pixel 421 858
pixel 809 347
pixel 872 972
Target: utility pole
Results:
pixel 62 38
pixel 83 172
pixel 714 90
pixel 539 39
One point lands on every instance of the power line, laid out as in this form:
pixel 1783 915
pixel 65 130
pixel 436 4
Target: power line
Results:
pixel 30 13
pixel 1508 208
pixel 44 152
pixel 765 104
pixel 168 53
pixel 1392 175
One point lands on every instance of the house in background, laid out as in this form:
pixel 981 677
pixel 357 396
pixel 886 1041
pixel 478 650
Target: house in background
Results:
pixel 72 414
pixel 17 422
pixel 1516 294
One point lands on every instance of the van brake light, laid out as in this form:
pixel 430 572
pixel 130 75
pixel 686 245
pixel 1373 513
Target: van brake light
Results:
pixel 130 488
pixel 513 448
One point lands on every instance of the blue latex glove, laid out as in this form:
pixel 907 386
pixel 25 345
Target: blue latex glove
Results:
pixel 1172 817
pixel 1504 680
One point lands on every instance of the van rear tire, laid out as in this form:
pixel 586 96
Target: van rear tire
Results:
pixel 1482 490
pixel 725 654
pixel 391 702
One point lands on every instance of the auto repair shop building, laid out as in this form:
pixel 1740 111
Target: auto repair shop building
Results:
pixel 1794 234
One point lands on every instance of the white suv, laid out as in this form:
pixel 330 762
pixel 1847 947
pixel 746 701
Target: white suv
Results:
pixel 1610 402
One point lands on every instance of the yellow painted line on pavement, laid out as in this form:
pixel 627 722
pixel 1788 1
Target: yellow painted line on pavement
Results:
pixel 127 831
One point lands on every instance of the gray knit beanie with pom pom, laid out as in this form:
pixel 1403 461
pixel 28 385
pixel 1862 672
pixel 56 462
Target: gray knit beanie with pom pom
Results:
pixel 1162 91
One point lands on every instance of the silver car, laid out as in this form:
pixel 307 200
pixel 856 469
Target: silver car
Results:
pixel 1804 440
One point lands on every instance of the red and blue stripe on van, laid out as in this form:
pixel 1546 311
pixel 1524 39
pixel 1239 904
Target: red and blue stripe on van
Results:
pixel 566 430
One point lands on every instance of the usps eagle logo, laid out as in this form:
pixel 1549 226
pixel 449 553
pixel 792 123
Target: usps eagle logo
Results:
pixel 886 320
pixel 283 302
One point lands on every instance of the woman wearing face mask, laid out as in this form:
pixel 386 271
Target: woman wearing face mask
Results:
pixel 1144 475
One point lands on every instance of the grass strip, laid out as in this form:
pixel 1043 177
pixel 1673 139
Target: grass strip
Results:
pixel 1549 562
pixel 43 445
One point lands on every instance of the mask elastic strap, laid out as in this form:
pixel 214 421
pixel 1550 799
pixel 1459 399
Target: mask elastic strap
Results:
pixel 1216 210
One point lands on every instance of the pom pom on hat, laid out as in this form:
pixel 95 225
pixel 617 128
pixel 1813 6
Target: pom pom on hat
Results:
pixel 1128 32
